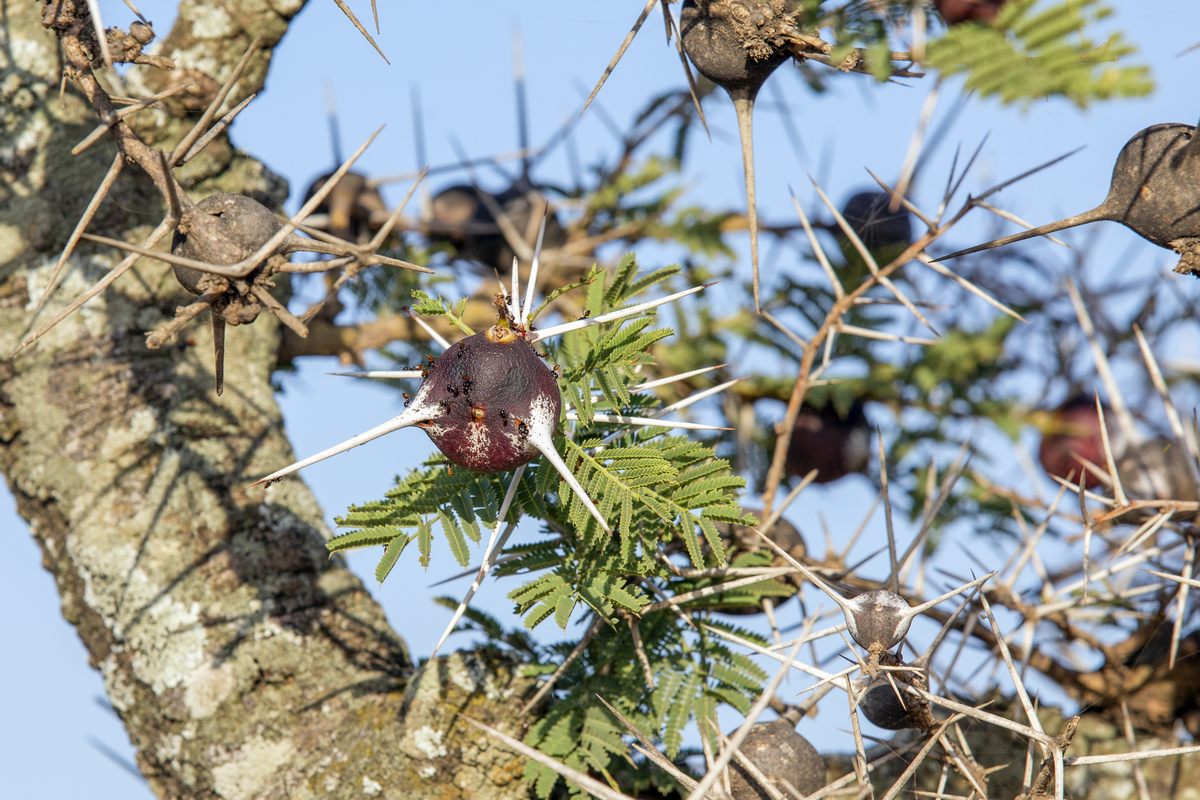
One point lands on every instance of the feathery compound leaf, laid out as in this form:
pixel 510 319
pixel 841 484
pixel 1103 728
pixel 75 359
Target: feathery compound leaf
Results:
pixel 1026 56
pixel 462 502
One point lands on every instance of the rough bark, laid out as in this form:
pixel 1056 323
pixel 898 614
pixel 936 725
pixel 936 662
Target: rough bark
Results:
pixel 243 661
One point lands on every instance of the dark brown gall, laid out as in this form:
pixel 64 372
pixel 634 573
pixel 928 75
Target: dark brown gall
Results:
pixel 955 12
pixel 881 230
pixel 780 754
pixel 736 44
pixel 221 229
pixel 350 205
pixel 833 443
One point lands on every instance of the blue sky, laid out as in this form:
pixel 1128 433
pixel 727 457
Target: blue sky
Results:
pixel 53 722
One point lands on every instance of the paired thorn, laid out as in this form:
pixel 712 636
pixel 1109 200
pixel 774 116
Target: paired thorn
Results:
pixel 341 4
pixel 184 150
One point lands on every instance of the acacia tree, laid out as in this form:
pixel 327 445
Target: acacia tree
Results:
pixel 246 663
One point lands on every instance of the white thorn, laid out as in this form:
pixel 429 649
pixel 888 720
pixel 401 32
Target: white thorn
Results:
pixel 101 38
pixel 533 269
pixel 493 546
pixel 928 604
pixel 620 313
pixel 514 302
pixel 846 606
pixel 380 374
pixel 641 387
pixel 648 421
pixel 544 442
pixel 696 398
pixel 425 326
pixel 417 412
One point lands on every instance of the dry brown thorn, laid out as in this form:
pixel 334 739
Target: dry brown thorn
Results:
pixel 185 144
pixel 106 184
pixel 107 121
pixel 359 26
pixel 1172 414
pixel 612 64
pixel 162 230
pixel 672 27
pixel 183 315
pixel 279 310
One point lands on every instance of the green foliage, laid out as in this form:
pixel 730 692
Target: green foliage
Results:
pixel 428 305
pixel 1029 54
pixel 659 492
pixel 693 673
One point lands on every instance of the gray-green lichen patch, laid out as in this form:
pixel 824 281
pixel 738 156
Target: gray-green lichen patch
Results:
pixel 252 770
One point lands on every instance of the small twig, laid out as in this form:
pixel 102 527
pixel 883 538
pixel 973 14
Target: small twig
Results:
pixel 183 315
pixel 575 653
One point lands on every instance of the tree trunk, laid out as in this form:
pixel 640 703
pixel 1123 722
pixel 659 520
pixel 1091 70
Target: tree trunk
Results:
pixel 242 659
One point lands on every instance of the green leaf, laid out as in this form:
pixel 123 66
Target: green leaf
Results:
pixel 455 538
pixel 424 541
pixel 390 554
pixel 363 538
